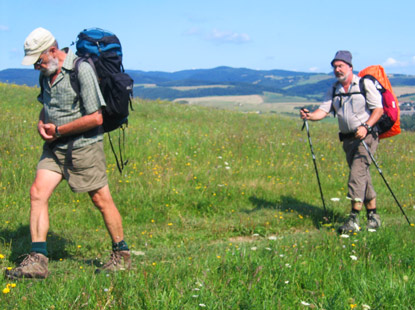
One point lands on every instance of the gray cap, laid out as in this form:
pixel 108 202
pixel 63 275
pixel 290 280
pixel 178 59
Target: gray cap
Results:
pixel 344 56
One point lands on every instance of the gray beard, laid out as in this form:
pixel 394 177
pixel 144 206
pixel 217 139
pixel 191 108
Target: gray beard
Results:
pixel 52 67
pixel 343 78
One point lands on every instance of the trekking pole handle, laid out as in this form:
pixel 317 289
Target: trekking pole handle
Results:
pixel 305 111
pixel 305 125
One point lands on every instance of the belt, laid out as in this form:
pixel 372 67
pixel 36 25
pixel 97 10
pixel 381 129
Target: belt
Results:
pixel 344 136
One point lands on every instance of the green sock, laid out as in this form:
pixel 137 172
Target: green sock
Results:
pixel 39 247
pixel 120 246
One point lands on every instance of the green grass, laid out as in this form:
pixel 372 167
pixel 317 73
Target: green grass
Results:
pixel 221 210
pixel 312 79
pixel 408 97
pixel 280 98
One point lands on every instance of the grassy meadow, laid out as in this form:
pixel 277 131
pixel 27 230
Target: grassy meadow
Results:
pixel 221 211
pixel 267 103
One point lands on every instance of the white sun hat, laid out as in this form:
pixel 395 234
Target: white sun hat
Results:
pixel 38 41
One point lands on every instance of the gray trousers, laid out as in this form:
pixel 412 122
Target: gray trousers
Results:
pixel 360 183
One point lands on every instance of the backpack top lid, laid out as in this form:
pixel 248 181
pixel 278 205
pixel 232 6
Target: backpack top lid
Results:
pixel 94 41
pixel 379 74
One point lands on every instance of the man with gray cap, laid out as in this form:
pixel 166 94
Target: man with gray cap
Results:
pixel 357 116
pixel 73 150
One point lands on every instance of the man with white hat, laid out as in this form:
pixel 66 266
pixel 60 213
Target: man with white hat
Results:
pixel 73 150
pixel 357 116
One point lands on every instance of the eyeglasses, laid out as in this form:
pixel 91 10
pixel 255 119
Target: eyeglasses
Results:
pixel 39 61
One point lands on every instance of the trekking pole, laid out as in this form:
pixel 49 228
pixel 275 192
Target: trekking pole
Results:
pixel 387 185
pixel 315 164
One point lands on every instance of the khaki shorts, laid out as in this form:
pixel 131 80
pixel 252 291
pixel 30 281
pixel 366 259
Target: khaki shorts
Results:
pixel 360 183
pixel 84 168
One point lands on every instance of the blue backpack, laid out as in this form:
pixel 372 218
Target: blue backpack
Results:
pixel 102 50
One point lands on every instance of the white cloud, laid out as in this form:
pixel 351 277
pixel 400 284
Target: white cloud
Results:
pixel 218 36
pixel 404 64
pixel 228 37
pixel 390 62
pixel 4 28
pixel 313 69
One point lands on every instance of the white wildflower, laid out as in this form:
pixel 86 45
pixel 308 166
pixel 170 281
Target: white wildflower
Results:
pixel 305 303
pixel 254 248
pixel 353 257
pixel 335 199
pixel 138 253
pixel 272 238
pixel 344 236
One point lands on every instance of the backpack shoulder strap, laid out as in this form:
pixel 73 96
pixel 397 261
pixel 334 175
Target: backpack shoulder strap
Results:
pixel 74 75
pixel 42 88
pixel 74 78
pixel 332 98
pixel 378 85
pixel 362 85
pixel 341 95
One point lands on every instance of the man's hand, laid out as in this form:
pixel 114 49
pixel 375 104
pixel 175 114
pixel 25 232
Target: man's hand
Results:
pixel 304 113
pixel 361 132
pixel 46 131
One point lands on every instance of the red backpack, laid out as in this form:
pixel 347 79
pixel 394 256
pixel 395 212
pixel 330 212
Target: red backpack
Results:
pixel 389 124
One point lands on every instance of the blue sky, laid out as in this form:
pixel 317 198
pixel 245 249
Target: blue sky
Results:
pixel 164 35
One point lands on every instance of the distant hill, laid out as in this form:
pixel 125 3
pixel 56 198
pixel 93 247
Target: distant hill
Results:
pixel 29 77
pixel 220 81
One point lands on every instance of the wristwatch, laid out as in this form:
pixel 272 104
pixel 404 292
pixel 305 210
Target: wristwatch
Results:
pixel 57 133
pixel 369 129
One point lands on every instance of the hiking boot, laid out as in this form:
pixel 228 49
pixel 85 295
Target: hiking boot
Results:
pixel 119 260
pixel 351 225
pixel 373 221
pixel 35 266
